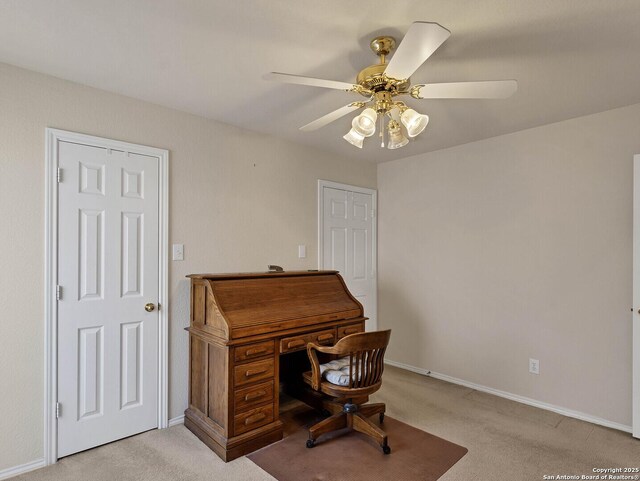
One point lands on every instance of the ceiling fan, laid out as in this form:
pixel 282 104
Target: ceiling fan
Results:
pixel 380 84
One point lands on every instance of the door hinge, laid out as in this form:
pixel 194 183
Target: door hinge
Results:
pixel 59 175
pixel 58 410
pixel 58 292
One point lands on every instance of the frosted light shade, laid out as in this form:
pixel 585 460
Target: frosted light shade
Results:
pixel 414 122
pixel 365 123
pixel 396 138
pixel 354 138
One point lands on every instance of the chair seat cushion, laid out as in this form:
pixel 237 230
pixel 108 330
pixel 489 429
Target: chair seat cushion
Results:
pixel 337 371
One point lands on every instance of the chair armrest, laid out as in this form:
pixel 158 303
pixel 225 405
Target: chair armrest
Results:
pixel 325 349
pixel 316 377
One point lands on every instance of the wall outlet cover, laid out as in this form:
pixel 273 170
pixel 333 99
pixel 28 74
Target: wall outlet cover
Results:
pixel 534 366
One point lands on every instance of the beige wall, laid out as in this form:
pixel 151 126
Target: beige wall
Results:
pixel 514 247
pixel 238 202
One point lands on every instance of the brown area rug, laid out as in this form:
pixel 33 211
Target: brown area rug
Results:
pixel 415 455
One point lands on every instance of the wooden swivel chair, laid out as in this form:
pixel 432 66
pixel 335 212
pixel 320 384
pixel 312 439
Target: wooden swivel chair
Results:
pixel 365 354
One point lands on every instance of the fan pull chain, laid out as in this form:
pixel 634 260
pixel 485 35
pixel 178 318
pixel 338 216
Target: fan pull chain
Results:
pixel 382 131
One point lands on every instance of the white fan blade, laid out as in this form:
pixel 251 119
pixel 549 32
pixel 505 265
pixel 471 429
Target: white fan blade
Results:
pixel 331 116
pixel 421 40
pixel 313 82
pixel 490 89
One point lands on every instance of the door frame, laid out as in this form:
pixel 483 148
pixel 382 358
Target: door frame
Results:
pixel 374 235
pixel 635 315
pixel 52 138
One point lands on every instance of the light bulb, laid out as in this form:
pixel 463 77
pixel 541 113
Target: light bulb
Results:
pixel 365 123
pixel 354 138
pixel 414 122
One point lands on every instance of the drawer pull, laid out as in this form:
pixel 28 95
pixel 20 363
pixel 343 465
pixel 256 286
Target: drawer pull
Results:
pixel 254 395
pixel 296 343
pixel 325 337
pixel 254 372
pixel 255 418
pixel 255 351
pixel 351 330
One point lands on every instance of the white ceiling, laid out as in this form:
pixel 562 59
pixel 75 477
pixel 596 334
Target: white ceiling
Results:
pixel 570 57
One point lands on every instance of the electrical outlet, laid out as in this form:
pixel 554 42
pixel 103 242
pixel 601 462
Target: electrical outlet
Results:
pixel 534 366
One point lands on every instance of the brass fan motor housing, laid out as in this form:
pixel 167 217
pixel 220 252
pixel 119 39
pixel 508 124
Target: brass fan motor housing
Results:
pixel 372 77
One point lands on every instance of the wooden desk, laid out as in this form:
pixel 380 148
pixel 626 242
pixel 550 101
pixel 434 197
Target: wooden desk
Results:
pixel 240 325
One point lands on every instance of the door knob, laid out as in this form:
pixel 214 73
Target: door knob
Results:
pixel 149 307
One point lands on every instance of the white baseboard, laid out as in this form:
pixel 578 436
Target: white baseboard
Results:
pixel 23 468
pixel 515 397
pixel 176 420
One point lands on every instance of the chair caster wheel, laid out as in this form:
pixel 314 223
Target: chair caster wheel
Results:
pixel 381 417
pixel 386 449
pixel 310 443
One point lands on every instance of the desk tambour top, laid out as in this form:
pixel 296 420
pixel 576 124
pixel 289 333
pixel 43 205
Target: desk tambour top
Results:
pixel 240 325
pixel 233 307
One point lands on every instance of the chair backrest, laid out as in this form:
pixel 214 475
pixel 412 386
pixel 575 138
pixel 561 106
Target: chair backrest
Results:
pixel 366 356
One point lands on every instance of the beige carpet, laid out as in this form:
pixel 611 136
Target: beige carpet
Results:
pixel 506 441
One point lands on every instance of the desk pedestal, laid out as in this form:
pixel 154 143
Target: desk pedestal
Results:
pixel 231 448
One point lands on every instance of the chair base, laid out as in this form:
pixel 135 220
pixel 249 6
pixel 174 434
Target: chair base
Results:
pixel 354 417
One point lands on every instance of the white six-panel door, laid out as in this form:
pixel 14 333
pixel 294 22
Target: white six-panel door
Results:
pixel 107 272
pixel 348 241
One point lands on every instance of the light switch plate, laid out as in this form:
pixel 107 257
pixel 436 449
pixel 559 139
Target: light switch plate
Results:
pixel 302 251
pixel 178 252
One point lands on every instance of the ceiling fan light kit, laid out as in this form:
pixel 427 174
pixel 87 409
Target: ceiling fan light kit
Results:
pixel 414 122
pixel 354 138
pixel 365 123
pixel 396 137
pixel 383 82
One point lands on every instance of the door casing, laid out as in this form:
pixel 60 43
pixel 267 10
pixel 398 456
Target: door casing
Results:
pixel 52 138
pixel 374 247
pixel 635 315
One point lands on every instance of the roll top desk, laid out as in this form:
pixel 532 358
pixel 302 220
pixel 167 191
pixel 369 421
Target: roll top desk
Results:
pixel 240 326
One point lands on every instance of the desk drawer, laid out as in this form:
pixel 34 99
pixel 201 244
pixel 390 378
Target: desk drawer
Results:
pixel 350 329
pixel 253 351
pixel 253 396
pixel 252 419
pixel 253 372
pixel 296 343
